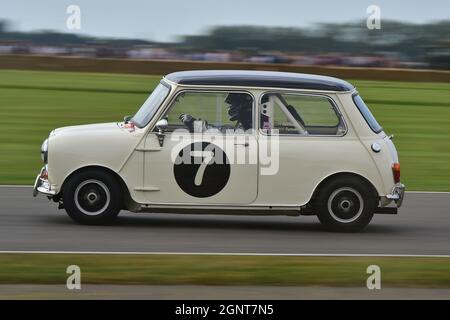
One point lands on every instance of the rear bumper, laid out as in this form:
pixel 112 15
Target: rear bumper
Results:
pixel 42 185
pixel 397 194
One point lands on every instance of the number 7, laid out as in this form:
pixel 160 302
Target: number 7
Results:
pixel 207 156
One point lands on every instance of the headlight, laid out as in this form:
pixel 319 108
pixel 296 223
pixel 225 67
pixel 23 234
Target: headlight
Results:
pixel 44 151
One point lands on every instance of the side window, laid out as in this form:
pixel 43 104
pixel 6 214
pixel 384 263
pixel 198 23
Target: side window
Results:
pixel 300 114
pixel 201 111
pixel 368 116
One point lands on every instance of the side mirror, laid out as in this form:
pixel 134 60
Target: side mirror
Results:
pixel 127 118
pixel 162 125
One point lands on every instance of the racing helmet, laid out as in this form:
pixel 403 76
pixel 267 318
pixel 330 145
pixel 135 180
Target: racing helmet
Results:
pixel 240 108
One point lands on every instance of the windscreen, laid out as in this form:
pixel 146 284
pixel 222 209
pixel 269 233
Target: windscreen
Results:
pixel 150 106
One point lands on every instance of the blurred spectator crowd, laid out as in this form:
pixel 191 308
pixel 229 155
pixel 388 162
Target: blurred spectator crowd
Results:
pixel 398 45
pixel 156 53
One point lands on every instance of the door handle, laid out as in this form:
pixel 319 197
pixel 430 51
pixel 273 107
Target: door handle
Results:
pixel 241 144
pixel 160 135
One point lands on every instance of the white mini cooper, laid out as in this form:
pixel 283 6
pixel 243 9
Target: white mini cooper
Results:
pixel 230 142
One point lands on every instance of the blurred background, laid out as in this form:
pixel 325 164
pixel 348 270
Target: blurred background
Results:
pixel 399 44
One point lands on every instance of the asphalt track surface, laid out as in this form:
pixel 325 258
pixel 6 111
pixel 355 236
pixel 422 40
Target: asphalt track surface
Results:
pixel 422 227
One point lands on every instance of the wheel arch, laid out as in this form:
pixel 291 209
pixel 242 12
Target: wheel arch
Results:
pixel 126 192
pixel 340 175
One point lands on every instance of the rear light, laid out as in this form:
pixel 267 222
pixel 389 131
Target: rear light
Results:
pixel 396 172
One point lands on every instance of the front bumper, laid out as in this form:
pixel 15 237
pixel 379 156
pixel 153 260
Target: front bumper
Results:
pixel 42 185
pixel 397 194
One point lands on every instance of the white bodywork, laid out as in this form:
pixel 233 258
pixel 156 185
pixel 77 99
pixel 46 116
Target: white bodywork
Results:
pixel 146 168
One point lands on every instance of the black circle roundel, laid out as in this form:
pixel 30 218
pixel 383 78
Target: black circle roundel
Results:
pixel 201 169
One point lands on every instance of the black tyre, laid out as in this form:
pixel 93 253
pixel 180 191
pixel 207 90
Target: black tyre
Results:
pixel 92 197
pixel 345 204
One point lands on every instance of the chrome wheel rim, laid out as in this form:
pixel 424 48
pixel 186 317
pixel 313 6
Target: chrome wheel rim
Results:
pixel 345 205
pixel 92 197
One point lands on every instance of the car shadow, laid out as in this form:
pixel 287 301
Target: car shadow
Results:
pixel 221 222
pixel 218 222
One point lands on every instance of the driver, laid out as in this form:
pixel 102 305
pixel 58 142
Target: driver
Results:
pixel 239 109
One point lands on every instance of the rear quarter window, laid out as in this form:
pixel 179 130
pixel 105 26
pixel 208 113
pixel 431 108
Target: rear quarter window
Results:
pixel 367 115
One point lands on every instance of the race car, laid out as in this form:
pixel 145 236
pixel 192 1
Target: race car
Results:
pixel 230 142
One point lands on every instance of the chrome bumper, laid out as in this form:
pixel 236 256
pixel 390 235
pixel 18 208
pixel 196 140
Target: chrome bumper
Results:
pixel 397 194
pixel 41 185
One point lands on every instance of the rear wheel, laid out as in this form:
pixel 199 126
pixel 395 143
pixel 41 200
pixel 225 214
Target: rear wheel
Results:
pixel 345 204
pixel 92 197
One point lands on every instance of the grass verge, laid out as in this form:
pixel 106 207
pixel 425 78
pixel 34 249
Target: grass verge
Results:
pixel 35 102
pixel 224 270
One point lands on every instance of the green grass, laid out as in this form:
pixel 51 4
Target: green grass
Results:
pixel 418 114
pixel 223 270
pixel 32 103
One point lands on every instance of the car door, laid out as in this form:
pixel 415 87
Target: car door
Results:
pixel 201 154
pixel 310 133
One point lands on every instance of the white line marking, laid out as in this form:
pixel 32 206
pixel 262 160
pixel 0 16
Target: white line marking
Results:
pixel 15 186
pixel 228 254
pixel 437 192
pixel 30 186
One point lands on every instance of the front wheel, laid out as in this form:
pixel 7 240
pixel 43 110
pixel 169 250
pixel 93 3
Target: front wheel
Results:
pixel 92 197
pixel 345 204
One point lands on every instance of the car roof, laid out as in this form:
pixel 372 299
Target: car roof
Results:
pixel 271 79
